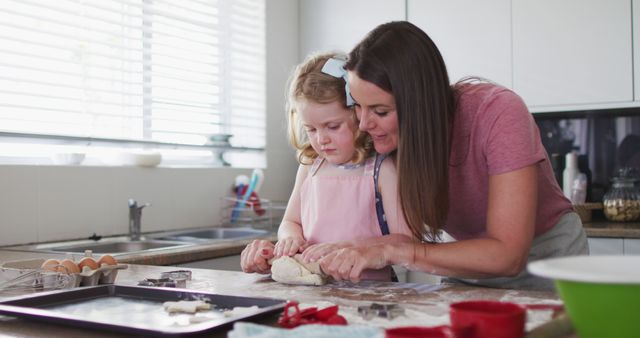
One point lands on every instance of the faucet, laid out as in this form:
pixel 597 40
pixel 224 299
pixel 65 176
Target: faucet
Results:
pixel 135 216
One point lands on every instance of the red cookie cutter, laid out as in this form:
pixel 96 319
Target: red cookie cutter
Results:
pixel 292 316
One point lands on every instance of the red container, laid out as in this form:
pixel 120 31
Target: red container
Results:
pixel 489 319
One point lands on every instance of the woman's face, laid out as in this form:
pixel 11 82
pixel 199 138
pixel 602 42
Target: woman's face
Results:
pixel 330 128
pixel 376 110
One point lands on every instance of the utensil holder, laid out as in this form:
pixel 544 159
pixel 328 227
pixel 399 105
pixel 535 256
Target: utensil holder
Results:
pixel 254 213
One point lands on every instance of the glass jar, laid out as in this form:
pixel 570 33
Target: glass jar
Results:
pixel 622 200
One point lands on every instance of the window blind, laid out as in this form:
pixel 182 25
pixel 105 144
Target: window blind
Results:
pixel 153 74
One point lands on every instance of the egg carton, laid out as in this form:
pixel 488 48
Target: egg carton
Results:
pixel 106 274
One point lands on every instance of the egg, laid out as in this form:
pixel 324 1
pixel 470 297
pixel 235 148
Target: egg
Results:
pixel 89 262
pixel 108 260
pixel 50 265
pixel 68 266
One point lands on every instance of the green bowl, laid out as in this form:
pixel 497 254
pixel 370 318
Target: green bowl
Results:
pixel 601 294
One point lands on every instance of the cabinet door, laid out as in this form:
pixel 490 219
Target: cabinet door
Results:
pixel 636 47
pixel 606 246
pixel 572 52
pixel 631 246
pixel 473 36
pixel 338 25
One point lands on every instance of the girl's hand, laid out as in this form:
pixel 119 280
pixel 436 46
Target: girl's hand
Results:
pixel 289 246
pixel 316 251
pixel 255 257
pixel 348 263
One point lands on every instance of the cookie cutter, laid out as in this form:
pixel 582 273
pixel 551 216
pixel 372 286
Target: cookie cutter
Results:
pixel 177 274
pixel 388 311
pixel 163 282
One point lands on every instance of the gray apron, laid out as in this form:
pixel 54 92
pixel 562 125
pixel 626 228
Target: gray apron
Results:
pixel 566 238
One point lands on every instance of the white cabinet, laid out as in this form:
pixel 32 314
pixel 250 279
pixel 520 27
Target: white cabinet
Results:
pixel 338 25
pixel 231 263
pixel 572 52
pixel 631 246
pixel 473 36
pixel 606 246
pixel 636 48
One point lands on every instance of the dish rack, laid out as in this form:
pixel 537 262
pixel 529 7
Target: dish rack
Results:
pixel 254 213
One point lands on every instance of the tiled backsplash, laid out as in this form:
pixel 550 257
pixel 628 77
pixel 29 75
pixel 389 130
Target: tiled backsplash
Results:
pixel 604 140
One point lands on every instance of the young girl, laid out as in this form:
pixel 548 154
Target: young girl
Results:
pixel 333 203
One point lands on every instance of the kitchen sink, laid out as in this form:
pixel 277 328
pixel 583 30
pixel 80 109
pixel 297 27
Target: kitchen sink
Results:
pixel 149 243
pixel 117 245
pixel 211 234
pixel 120 247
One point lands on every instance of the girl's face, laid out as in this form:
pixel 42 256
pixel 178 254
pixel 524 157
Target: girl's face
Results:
pixel 376 110
pixel 331 129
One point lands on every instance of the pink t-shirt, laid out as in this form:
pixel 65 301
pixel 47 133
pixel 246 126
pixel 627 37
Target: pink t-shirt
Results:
pixel 494 133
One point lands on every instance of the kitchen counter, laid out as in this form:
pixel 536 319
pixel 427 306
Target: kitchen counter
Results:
pixel 613 229
pixel 424 305
pixel 234 247
pixel 157 257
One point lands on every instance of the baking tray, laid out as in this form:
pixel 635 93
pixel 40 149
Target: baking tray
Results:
pixel 136 309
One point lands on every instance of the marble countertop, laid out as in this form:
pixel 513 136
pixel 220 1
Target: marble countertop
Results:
pixel 613 229
pixel 424 305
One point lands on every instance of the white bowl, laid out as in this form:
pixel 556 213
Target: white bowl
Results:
pixel 591 269
pixel 68 158
pixel 141 159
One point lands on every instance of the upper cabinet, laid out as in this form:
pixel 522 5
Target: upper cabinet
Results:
pixel 474 37
pixel 338 25
pixel 558 55
pixel 572 52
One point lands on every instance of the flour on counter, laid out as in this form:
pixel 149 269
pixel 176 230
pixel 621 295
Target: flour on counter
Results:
pixel 188 306
pixel 240 310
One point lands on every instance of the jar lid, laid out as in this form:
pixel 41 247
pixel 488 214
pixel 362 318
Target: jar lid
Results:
pixel 627 174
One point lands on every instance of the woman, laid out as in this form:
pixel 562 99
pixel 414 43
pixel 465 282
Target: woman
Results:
pixel 470 162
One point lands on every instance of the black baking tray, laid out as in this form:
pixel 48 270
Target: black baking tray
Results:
pixel 136 309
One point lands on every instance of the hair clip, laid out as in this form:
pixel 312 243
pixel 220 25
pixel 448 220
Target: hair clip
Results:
pixel 335 68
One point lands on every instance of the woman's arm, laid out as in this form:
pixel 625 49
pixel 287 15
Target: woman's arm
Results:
pixel 512 204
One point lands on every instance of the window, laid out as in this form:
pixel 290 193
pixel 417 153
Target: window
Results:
pixel 106 76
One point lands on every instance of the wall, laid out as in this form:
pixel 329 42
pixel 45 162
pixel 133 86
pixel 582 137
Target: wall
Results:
pixel 46 203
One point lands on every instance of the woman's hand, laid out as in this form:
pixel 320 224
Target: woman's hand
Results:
pixel 316 251
pixel 289 246
pixel 255 257
pixel 348 263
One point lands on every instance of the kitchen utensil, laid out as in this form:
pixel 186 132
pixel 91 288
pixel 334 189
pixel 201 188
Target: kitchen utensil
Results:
pixel 37 280
pixel 292 316
pixel 601 293
pixel 388 311
pixel 489 319
pixel 135 310
pixel 442 331
pixel 177 274
pixel 477 319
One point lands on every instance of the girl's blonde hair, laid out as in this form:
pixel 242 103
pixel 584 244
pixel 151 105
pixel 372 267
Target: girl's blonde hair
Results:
pixel 309 83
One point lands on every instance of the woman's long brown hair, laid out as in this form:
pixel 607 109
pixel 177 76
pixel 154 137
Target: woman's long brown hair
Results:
pixel 401 59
